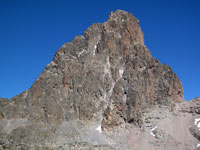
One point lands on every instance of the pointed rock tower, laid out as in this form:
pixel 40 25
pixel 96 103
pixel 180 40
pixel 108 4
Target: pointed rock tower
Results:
pixel 102 80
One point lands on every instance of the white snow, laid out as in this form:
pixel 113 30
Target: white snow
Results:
pixel 99 128
pixel 153 130
pixel 198 145
pixel 121 71
pixel 153 134
pixel 197 123
pixel 79 54
pixel 94 50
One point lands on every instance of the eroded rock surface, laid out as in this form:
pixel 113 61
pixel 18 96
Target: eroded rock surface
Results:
pixel 103 90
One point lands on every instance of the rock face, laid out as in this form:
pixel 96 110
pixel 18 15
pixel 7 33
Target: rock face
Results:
pixel 103 90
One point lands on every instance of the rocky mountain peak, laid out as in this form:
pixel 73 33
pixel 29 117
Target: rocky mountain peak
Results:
pixel 100 84
pixel 122 20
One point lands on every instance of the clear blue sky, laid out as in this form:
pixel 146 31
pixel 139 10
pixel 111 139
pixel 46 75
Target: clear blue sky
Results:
pixel 31 31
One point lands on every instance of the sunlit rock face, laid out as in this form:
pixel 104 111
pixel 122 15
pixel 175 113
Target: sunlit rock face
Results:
pixel 103 90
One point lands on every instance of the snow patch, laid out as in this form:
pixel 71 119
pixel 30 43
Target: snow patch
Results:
pixel 99 128
pixel 153 134
pixel 79 54
pixel 153 130
pixel 198 145
pixel 121 71
pixel 197 123
pixel 94 49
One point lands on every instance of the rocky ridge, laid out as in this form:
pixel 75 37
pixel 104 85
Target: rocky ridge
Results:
pixel 103 90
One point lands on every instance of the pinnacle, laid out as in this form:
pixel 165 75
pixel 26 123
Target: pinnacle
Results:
pixel 104 81
pixel 122 15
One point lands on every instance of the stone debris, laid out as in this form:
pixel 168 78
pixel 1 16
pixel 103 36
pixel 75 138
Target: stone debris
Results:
pixel 152 131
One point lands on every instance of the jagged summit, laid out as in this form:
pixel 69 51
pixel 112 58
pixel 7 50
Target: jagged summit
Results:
pixel 121 16
pixel 96 89
pixel 121 19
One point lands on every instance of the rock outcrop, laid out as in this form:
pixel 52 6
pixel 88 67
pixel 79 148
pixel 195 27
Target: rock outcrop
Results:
pixel 103 90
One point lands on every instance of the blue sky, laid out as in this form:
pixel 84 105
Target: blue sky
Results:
pixel 31 31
